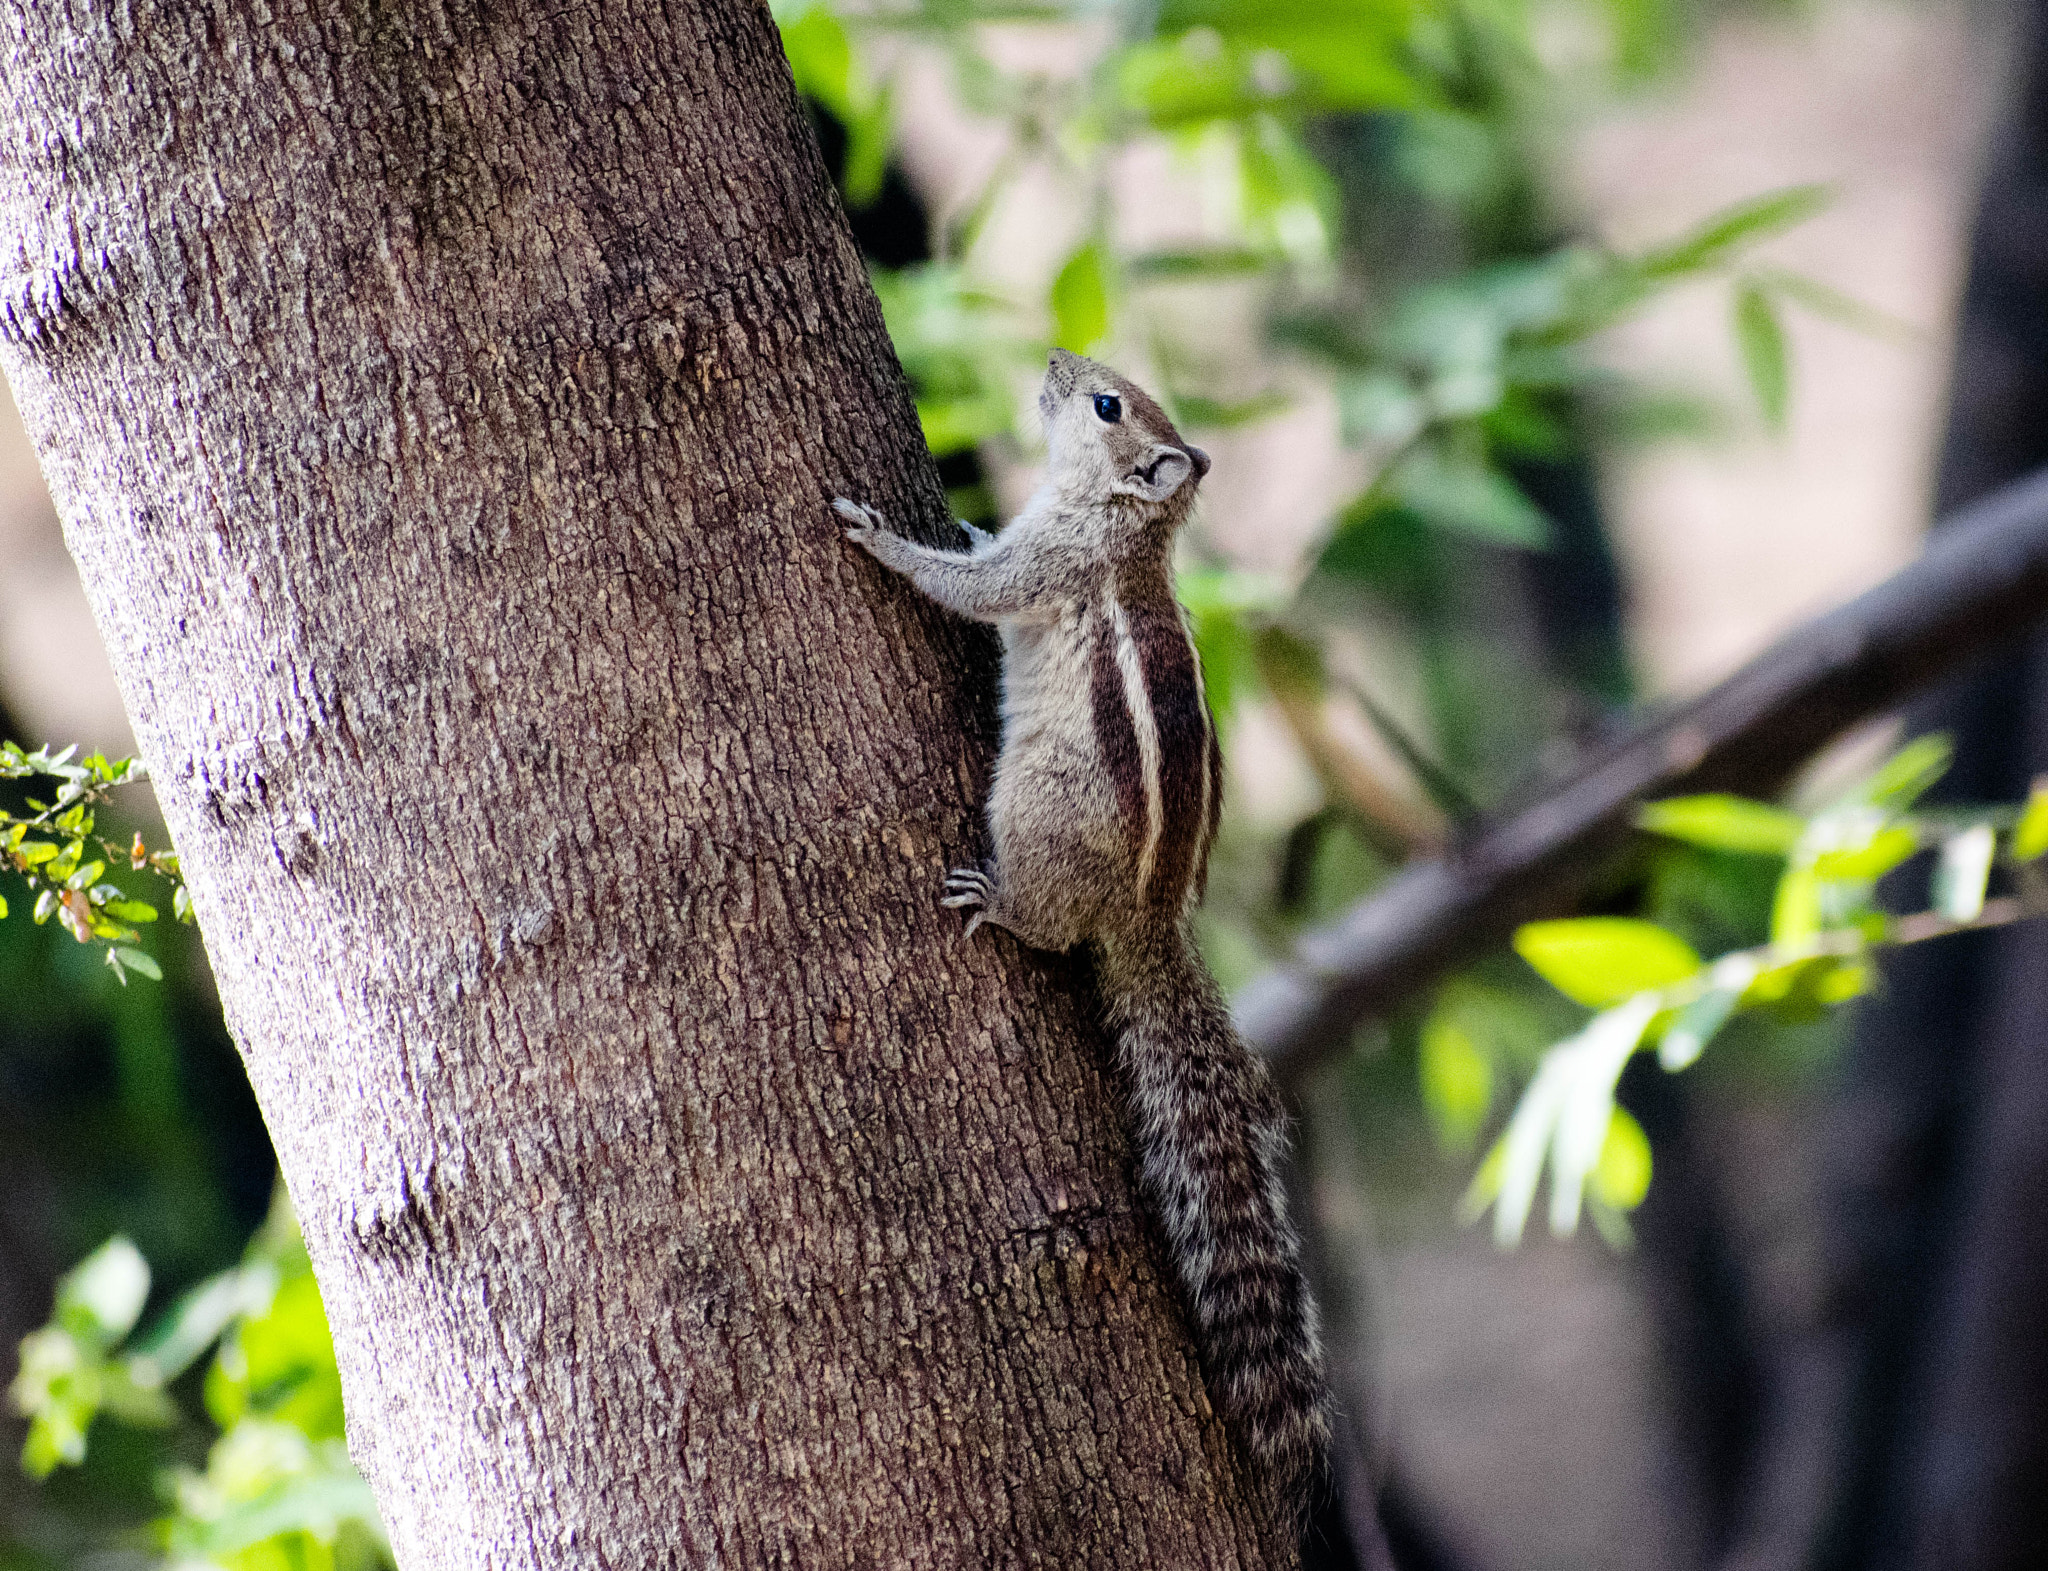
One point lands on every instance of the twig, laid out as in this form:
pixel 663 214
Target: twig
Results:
pixel 1395 823
pixel 1982 581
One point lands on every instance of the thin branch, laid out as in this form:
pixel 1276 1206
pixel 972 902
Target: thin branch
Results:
pixel 1982 581
pixel 1395 823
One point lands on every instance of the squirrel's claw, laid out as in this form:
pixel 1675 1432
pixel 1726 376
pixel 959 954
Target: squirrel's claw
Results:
pixel 968 888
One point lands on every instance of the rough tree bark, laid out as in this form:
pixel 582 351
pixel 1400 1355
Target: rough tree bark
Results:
pixel 443 403
pixel 1925 1399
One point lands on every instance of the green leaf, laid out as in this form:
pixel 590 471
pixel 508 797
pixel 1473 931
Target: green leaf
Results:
pixel 57 1388
pixel 141 963
pixel 820 56
pixel 1905 776
pixel 1715 241
pixel 1963 871
pixel 1210 262
pixel 1601 960
pixel 1219 414
pixel 3 908
pixel 1586 1112
pixel 46 906
pixel 1289 199
pixel 1218 601
pixel 1565 1114
pixel 1643 417
pixel 1621 1177
pixel 1699 1021
pixel 1172 84
pixel 953 425
pixel 128 910
pixel 1379 407
pixel 1647 39
pixel 1206 589
pixel 1470 498
pixel 1080 301
pixel 142 1406
pixel 66 861
pixel 281 1363
pixel 1724 823
pixel 37 852
pixel 1485 1187
pixel 1847 311
pixel 181 904
pixel 1512 1170
pixel 1870 861
pixel 2030 834
pixel 313 1504
pixel 1457 1078
pixel 197 1320
pixel 1846 979
pixel 1761 338
pixel 868 125
pixel 1805 990
pixel 1336 60
pixel 86 876
pixel 99 1299
pixel 1795 911
pixel 54 1439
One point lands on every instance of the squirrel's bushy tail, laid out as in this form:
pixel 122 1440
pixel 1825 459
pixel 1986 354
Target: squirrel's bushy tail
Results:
pixel 1212 1141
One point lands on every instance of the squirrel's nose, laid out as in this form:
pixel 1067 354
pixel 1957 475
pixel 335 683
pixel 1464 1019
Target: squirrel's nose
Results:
pixel 1062 370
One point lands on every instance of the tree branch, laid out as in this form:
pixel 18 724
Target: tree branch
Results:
pixel 1982 581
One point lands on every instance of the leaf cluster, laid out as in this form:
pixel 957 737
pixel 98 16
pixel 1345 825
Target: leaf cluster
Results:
pixel 277 1491
pixel 55 848
pixel 1651 990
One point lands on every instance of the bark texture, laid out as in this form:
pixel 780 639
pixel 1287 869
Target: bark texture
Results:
pixel 1933 1353
pixel 443 402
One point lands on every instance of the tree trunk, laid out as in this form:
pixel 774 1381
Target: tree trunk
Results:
pixel 443 403
pixel 1939 1168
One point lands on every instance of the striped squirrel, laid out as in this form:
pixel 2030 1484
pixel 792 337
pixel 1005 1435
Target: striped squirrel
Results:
pixel 1105 802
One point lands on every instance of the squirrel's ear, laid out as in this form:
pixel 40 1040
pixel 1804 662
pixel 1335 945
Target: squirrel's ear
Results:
pixel 1162 471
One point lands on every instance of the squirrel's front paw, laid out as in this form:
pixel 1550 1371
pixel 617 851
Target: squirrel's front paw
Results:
pixel 969 889
pixel 866 522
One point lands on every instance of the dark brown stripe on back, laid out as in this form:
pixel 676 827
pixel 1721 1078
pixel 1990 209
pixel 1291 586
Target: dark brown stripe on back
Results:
pixel 1115 735
pixel 1167 658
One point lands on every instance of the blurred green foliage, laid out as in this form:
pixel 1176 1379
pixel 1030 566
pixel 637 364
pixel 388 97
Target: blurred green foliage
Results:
pixel 1812 947
pixel 273 1489
pixel 123 1110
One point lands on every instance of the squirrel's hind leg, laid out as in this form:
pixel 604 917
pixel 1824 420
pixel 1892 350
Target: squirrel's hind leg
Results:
pixel 995 900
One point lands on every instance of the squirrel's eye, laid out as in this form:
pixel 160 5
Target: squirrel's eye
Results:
pixel 1109 408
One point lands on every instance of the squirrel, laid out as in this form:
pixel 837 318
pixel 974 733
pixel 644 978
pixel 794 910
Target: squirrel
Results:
pixel 1107 793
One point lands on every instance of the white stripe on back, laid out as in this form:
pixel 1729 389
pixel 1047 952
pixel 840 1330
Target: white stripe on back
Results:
pixel 1210 784
pixel 1139 703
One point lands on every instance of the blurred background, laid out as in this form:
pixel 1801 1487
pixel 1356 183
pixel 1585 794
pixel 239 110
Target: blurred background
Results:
pixel 1554 357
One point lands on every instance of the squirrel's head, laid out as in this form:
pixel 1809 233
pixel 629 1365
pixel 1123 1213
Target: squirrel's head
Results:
pixel 1109 439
